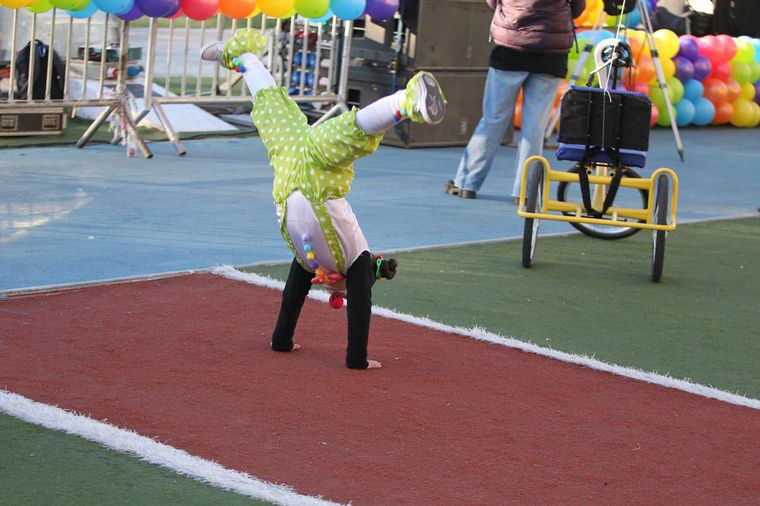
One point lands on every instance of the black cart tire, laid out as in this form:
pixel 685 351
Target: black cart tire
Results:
pixel 607 232
pixel 660 218
pixel 530 230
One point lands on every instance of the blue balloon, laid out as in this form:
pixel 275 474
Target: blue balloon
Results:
pixel 348 9
pixel 633 18
pixel 84 13
pixel 704 112
pixel 685 112
pixel 114 6
pixel 693 90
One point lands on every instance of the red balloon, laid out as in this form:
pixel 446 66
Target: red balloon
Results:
pixel 655 116
pixel 722 71
pixel 200 10
pixel 729 46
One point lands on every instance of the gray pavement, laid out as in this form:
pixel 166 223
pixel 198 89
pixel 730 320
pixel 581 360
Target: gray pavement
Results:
pixel 72 215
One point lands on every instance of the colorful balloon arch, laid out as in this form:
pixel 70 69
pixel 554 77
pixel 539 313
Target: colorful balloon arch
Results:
pixel 129 10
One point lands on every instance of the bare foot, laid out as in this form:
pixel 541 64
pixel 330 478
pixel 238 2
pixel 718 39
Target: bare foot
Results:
pixel 373 364
pixel 295 347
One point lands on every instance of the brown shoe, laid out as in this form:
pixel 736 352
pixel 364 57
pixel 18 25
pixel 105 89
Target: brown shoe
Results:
pixel 468 194
pixel 451 188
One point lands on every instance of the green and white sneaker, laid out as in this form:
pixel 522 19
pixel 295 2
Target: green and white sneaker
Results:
pixel 244 41
pixel 424 102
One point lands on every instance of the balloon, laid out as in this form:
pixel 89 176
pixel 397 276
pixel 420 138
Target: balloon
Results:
pixel 693 90
pixel 741 71
pixel 198 10
pixel 756 120
pixel 666 42
pixel 668 67
pixel 327 16
pixel 675 89
pixel 748 91
pixel 70 5
pixel 158 8
pixel 755 68
pixel 654 116
pixel 744 113
pixel 702 68
pixel 276 8
pixel 684 68
pixel 133 14
pixel 40 6
pixel 721 70
pixel 688 47
pixel 114 6
pixel 657 96
pixel 716 91
pixel 704 112
pixel 757 92
pixel 312 8
pixel 734 90
pixel 383 9
pixel 633 18
pixel 88 11
pixel 723 113
pixel 729 46
pixel 745 51
pixel 16 4
pixel 644 70
pixel 237 9
pixel 664 119
pixel 348 9
pixel 711 48
pixel 685 112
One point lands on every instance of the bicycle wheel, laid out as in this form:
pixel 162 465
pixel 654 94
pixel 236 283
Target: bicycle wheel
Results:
pixel 626 197
pixel 660 218
pixel 532 202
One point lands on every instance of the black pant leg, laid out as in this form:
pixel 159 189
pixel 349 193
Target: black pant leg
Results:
pixel 359 279
pixel 296 288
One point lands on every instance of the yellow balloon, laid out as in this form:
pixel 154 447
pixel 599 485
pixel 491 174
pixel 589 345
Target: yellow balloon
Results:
pixel 666 42
pixel 256 12
pixel 756 120
pixel 276 8
pixel 748 91
pixel 16 4
pixel 744 113
pixel 668 67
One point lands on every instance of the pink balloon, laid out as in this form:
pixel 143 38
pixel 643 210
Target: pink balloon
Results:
pixel 729 46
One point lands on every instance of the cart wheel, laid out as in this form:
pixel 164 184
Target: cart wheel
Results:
pixel 661 218
pixel 604 231
pixel 532 202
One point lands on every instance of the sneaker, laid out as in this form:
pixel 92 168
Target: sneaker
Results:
pixel 244 41
pixel 388 268
pixel 468 194
pixel 212 51
pixel 424 102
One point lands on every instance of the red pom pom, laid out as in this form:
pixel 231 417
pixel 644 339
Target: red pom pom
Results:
pixel 336 301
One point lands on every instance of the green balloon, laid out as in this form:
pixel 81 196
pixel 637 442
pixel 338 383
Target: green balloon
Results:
pixel 40 6
pixel 70 5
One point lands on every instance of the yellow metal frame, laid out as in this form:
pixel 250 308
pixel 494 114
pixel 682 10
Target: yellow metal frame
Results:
pixel 550 207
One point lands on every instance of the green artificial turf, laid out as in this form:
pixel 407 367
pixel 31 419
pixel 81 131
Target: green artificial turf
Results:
pixel 594 297
pixel 40 466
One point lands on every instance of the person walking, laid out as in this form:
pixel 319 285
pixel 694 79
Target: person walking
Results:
pixel 532 41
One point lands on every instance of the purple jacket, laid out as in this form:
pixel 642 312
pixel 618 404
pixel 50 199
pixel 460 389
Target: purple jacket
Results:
pixel 543 26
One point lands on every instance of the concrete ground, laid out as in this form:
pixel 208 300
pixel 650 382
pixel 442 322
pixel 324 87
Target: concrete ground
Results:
pixel 71 215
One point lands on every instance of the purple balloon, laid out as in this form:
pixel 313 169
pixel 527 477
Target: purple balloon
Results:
pixel 757 91
pixel 702 68
pixel 688 47
pixel 684 68
pixel 158 8
pixel 135 13
pixel 382 9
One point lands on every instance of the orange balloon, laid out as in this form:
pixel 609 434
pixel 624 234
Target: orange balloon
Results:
pixel 518 115
pixel 723 113
pixel 716 91
pixel 237 9
pixel 734 89
pixel 644 71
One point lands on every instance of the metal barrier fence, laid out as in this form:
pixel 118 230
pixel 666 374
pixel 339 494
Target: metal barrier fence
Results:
pixel 309 59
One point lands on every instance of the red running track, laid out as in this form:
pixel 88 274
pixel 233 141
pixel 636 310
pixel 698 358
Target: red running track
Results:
pixel 447 421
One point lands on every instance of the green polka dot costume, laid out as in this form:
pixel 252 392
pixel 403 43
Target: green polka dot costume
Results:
pixel 313 168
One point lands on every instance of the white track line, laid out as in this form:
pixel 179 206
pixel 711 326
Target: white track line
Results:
pixel 149 450
pixel 483 335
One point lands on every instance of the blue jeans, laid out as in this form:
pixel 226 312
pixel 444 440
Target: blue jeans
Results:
pixel 499 99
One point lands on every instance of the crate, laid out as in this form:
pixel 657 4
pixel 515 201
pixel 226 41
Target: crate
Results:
pixel 16 122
